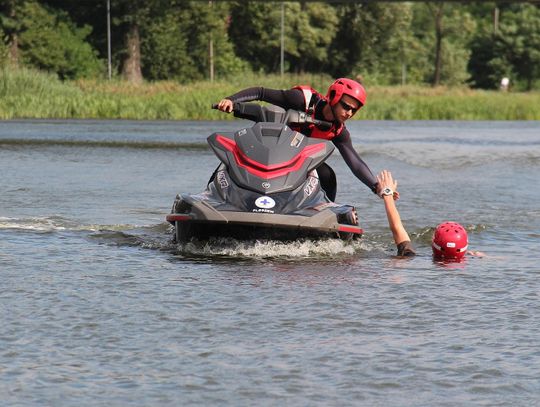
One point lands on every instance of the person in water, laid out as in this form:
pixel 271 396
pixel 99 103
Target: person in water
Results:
pixel 389 194
pixel 343 99
pixel 450 242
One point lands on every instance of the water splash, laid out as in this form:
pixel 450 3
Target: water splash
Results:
pixel 49 224
pixel 268 249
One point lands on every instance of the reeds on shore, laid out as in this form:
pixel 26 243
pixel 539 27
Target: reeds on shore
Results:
pixel 30 94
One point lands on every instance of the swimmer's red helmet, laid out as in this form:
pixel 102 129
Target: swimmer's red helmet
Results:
pixel 449 241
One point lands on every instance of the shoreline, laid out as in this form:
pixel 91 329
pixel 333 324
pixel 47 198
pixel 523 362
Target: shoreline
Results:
pixel 26 94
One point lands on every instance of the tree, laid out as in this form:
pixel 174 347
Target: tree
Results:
pixel 47 39
pixel 176 44
pixel 373 39
pixel 436 10
pixel 520 36
pixel 511 51
pixel 255 33
pixel 131 16
pixel 488 62
pixel 86 13
pixel 165 49
pixel 309 33
pixel 447 44
pixel 11 27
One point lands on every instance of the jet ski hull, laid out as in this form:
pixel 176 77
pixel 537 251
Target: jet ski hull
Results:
pixel 202 221
pixel 266 186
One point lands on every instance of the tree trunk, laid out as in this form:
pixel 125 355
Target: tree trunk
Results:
pixel 14 49
pixel 13 38
pixel 131 70
pixel 438 14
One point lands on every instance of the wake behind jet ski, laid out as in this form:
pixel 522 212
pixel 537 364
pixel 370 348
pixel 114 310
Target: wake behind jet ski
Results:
pixel 266 185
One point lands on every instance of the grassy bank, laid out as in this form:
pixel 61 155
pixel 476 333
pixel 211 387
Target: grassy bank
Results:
pixel 31 94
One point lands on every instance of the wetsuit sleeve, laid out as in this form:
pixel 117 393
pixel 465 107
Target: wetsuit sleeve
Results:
pixel 406 249
pixel 356 164
pixel 287 99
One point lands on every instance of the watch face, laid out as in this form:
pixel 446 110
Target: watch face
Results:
pixel 387 191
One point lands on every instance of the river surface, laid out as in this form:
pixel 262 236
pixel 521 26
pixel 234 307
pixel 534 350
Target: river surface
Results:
pixel 99 308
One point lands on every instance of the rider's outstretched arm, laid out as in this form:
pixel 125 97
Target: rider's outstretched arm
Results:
pixel 354 161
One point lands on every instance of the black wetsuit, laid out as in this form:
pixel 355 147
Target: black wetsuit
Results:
pixel 294 99
pixel 405 249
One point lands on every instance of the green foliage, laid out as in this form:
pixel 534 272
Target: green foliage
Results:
pixel 255 33
pixel 4 54
pixel 460 28
pixel 51 42
pixel 28 93
pixel 373 41
pixel 386 43
pixel 176 45
pixel 512 51
pixel 9 29
pixel 488 62
pixel 165 50
pixel 310 30
pixel 520 34
pixel 31 94
pixel 457 29
pixel 421 103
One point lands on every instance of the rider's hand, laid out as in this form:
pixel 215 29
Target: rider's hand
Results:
pixel 225 105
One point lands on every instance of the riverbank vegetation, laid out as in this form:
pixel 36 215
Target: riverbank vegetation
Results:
pixel 419 43
pixel 169 59
pixel 26 93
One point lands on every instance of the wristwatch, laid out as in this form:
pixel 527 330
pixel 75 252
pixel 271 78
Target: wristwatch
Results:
pixel 387 192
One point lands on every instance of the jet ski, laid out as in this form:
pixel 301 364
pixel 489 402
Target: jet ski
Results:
pixel 266 185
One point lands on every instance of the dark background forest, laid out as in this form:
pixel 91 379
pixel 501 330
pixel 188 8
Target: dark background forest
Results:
pixel 391 43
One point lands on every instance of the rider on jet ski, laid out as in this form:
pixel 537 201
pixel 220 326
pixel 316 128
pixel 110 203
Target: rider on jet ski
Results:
pixel 343 99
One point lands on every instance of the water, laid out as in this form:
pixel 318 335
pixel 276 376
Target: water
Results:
pixel 99 308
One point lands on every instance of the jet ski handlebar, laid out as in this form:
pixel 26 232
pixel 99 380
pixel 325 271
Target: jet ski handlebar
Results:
pixel 258 113
pixel 298 118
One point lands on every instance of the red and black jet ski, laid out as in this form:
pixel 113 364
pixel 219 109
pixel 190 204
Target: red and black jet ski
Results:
pixel 266 186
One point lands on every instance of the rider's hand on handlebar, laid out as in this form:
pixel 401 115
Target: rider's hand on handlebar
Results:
pixel 225 105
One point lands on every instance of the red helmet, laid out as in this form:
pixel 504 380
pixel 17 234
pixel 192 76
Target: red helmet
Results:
pixel 344 86
pixel 449 241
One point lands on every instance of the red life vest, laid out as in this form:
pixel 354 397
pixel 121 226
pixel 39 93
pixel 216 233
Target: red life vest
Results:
pixel 310 103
